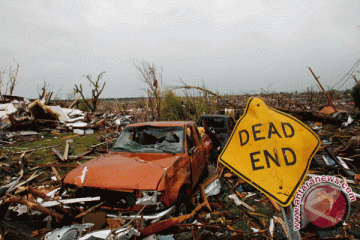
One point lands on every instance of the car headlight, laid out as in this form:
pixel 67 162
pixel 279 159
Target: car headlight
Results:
pixel 148 198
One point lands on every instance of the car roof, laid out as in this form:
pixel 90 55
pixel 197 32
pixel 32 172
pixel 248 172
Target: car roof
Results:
pixel 215 115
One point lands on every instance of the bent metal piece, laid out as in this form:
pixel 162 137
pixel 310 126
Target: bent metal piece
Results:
pixel 159 226
pixel 145 217
pixel 68 232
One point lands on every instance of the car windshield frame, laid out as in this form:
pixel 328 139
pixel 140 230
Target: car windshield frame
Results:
pixel 151 139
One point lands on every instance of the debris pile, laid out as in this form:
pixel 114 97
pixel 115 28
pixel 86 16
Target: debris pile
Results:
pixel 224 206
pixel 21 117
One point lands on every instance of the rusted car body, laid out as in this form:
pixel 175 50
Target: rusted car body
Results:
pixel 149 167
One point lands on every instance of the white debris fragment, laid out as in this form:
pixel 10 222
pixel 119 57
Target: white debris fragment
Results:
pixel 238 202
pixel 7 108
pixel 250 194
pixel 69 201
pixel 83 131
pixel 83 174
pixel 196 222
pixel 68 232
pixel 52 193
pixel 125 120
pixel 20 209
pixel 77 124
pixel 343 163
pixel 348 122
pixel 118 234
pixel 101 234
pixel 151 237
pixel 271 227
pixel 63 117
pixel 213 188
pixel 75 112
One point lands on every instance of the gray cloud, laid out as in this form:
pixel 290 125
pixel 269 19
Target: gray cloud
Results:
pixel 233 46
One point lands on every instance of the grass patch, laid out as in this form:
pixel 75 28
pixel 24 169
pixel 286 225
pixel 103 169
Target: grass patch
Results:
pixel 264 210
pixel 242 225
pixel 44 156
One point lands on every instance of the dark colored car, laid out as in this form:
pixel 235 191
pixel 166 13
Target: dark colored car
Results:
pixel 219 123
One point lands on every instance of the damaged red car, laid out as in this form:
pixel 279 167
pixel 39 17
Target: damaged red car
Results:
pixel 153 167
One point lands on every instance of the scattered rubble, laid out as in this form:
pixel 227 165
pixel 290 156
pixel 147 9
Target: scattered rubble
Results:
pixel 224 205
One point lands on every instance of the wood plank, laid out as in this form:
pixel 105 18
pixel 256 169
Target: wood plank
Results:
pixel 57 154
pixel 66 152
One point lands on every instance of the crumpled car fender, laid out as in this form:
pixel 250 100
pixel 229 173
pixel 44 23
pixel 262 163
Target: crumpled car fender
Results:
pixel 176 176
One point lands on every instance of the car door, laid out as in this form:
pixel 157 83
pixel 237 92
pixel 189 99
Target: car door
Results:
pixel 196 154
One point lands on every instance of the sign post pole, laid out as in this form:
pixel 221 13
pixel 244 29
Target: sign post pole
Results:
pixel 289 223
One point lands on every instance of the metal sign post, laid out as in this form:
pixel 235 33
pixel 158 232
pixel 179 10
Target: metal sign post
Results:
pixel 289 222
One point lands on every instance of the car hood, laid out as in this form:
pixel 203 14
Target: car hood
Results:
pixel 122 171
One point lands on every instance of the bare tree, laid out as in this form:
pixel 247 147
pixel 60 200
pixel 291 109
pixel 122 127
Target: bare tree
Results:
pixel 12 79
pixel 45 93
pixel 152 76
pixel 95 92
pixel 2 73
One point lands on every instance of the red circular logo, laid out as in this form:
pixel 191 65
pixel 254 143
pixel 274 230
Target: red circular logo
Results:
pixel 325 206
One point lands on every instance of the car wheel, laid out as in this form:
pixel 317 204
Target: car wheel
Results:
pixel 181 204
pixel 183 207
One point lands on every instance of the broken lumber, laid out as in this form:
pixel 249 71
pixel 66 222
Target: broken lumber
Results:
pixel 159 226
pixel 66 152
pixel 238 202
pixel 81 155
pixel 56 173
pixel 57 154
pixel 275 205
pixel 89 210
pixel 73 103
pixel 35 206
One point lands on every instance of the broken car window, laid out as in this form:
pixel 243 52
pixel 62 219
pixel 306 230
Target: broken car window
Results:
pixel 190 138
pixel 151 139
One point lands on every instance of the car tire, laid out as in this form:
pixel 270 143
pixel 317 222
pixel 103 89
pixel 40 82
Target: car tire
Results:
pixel 182 206
pixel 182 209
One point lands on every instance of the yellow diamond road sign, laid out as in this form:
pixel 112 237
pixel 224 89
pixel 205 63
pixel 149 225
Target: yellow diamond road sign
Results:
pixel 271 150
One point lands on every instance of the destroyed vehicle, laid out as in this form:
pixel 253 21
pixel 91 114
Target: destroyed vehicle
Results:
pixel 219 127
pixel 153 167
pixel 219 123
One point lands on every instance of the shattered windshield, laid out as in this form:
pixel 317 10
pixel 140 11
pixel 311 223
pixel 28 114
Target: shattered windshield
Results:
pixel 150 139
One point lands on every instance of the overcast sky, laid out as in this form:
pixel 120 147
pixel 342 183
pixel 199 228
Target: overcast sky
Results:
pixel 233 46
